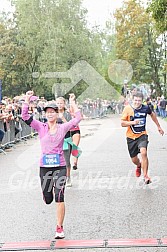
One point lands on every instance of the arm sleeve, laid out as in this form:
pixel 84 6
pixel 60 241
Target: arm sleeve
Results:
pixel 29 119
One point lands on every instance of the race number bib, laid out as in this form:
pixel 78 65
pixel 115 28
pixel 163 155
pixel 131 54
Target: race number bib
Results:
pixel 142 122
pixel 51 160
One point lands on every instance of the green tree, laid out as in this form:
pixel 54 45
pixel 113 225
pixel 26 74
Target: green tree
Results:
pixel 12 59
pixel 50 36
pixel 55 36
pixel 136 43
pixel 158 10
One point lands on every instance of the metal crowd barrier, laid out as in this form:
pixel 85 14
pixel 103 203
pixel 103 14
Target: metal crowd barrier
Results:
pixel 15 131
pixel 92 112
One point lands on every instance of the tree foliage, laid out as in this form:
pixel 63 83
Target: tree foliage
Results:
pixel 136 43
pixel 158 9
pixel 50 36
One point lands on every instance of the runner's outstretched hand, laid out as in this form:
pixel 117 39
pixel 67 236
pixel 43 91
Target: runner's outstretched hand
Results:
pixel 73 105
pixel 71 98
pixel 29 94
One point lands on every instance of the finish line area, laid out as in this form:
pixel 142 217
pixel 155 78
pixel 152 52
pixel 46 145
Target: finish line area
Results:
pixel 82 244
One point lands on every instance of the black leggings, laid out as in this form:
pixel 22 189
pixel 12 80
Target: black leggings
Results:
pixel 54 177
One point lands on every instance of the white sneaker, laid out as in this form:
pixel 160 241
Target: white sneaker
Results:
pixel 68 182
pixel 59 233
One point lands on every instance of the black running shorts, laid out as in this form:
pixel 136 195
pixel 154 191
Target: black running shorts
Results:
pixel 73 132
pixel 53 178
pixel 134 145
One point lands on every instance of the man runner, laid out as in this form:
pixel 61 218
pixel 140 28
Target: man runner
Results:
pixel 134 118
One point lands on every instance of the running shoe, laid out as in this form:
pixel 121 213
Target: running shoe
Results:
pixel 138 171
pixel 59 232
pixel 68 182
pixel 147 180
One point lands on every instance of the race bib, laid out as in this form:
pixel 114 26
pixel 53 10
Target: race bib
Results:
pixel 142 122
pixel 51 160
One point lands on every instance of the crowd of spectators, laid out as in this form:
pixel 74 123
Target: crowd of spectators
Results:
pixel 10 109
pixel 159 105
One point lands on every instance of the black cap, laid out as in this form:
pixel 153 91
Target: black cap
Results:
pixel 51 105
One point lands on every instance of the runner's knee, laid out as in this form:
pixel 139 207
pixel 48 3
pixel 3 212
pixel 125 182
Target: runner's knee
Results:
pixel 143 152
pixel 48 200
pixel 60 181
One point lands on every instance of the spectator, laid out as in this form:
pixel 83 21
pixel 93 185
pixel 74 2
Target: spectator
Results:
pixel 2 133
pixel 163 104
pixel 149 103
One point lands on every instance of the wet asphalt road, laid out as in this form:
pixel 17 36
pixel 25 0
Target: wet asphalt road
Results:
pixel 106 200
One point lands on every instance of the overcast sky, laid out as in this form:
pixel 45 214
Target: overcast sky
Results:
pixel 4 5
pixel 99 10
